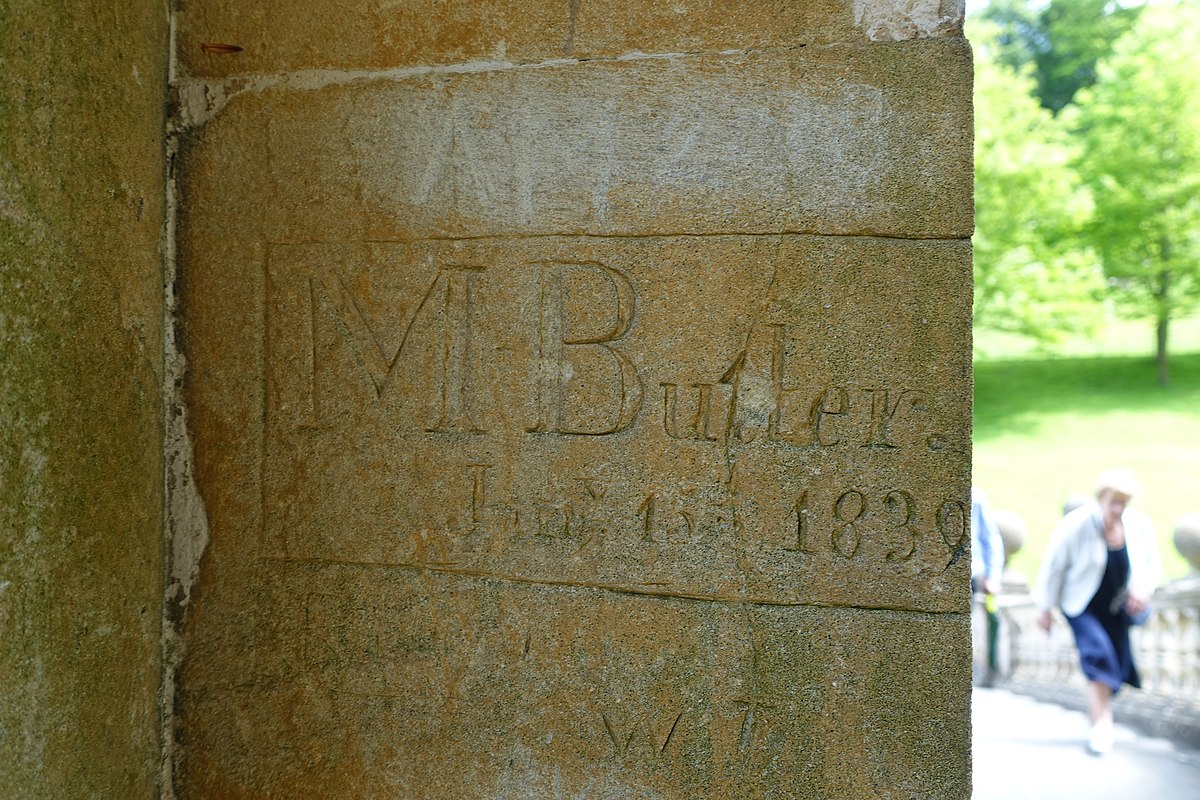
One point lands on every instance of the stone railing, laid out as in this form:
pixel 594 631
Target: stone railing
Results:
pixel 1167 653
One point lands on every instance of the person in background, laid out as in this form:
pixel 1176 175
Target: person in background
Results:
pixel 1100 568
pixel 987 548
pixel 987 565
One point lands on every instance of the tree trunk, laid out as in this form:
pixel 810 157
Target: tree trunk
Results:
pixel 1164 316
pixel 1160 350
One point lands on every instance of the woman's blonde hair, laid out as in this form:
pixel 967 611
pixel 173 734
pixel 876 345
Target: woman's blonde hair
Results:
pixel 1121 481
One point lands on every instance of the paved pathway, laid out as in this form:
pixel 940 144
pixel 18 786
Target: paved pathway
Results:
pixel 1027 750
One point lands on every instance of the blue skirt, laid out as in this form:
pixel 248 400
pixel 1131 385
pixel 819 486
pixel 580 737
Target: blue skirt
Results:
pixel 1104 650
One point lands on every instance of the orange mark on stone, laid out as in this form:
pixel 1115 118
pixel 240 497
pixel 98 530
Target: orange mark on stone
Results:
pixel 219 48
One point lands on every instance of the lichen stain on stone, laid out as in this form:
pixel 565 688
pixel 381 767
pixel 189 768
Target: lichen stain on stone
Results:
pixel 896 20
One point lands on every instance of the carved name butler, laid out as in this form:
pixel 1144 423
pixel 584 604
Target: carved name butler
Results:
pixel 565 374
pixel 497 406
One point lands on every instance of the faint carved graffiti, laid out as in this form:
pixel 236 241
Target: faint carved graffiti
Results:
pixel 341 632
pixel 640 734
pixel 429 548
pixel 752 710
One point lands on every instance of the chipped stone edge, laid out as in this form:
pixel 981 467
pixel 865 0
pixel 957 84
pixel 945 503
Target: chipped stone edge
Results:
pixel 185 517
pixel 898 20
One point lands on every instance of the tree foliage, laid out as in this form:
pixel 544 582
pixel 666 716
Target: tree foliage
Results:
pixel 1061 41
pixel 1139 128
pixel 1032 276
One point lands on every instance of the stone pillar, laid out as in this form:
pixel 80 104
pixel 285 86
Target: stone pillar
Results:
pixel 579 395
pixel 82 92
pixel 1187 539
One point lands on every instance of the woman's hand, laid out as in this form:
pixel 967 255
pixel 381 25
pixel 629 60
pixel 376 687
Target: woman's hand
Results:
pixel 1044 620
pixel 1136 603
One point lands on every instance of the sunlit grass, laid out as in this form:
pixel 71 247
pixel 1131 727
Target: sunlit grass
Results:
pixel 1113 336
pixel 1045 428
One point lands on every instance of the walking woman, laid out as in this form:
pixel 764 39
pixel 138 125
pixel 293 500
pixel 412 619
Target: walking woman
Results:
pixel 1100 568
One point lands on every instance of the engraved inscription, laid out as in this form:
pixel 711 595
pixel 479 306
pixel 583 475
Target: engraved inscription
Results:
pixel 320 303
pixel 583 378
pixel 894 516
pixel 846 536
pixel 806 417
pixel 698 424
pixel 952 525
pixel 903 502
pixel 753 713
pixel 887 525
pixel 802 523
pixel 883 414
pixel 477 408
pixel 340 633
pixel 568 344
pixel 645 735
pixel 668 522
pixel 478 476
pixel 456 352
pixel 833 402
pixel 595 490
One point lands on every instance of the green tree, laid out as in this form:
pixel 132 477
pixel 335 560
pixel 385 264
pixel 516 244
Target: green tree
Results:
pixel 1032 276
pixel 1140 133
pixel 1062 41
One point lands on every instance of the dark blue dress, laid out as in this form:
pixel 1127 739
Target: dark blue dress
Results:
pixel 1102 630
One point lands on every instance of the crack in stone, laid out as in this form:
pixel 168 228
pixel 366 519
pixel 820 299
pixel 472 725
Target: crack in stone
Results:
pixel 644 590
pixel 503 237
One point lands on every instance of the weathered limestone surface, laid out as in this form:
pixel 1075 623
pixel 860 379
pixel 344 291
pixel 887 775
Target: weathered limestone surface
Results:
pixel 837 139
pixel 82 88
pixel 588 429
pixel 398 34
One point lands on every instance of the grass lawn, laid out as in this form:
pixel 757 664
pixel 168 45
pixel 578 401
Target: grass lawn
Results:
pixel 1044 428
pixel 1113 336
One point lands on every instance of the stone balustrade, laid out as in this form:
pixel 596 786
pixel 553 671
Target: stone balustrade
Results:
pixel 1167 652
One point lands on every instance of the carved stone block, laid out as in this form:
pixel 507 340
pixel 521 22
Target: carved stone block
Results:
pixel 596 429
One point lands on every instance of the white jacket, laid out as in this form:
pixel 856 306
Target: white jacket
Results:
pixel 1075 558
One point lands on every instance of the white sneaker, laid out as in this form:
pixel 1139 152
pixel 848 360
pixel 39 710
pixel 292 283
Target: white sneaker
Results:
pixel 1100 738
